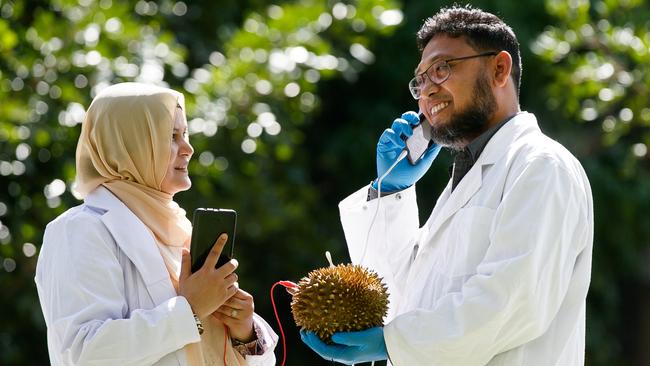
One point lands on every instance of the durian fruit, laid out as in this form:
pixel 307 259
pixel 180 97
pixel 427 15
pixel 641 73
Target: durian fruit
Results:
pixel 339 298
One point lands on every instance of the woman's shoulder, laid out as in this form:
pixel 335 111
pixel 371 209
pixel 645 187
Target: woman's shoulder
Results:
pixel 72 240
pixel 81 223
pixel 89 213
pixel 81 215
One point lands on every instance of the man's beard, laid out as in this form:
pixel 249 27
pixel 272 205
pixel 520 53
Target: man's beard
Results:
pixel 468 124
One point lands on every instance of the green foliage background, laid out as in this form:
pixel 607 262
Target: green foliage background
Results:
pixel 286 101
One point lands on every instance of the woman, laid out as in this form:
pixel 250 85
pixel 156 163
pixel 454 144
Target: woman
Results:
pixel 113 275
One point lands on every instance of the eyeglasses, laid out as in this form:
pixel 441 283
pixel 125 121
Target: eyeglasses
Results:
pixel 438 72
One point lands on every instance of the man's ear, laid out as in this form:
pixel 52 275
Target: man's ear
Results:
pixel 502 68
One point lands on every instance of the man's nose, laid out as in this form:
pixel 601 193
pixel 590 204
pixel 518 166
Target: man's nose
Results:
pixel 429 88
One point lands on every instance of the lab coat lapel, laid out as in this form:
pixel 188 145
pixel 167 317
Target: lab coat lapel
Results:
pixel 452 201
pixel 457 198
pixel 136 241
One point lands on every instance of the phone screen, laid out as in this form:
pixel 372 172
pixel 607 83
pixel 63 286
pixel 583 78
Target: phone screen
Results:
pixel 420 141
pixel 207 225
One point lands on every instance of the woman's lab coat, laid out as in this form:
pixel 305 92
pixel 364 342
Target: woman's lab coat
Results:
pixel 499 273
pixel 106 293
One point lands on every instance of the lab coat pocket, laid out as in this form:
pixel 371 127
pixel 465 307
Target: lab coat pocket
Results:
pixel 465 241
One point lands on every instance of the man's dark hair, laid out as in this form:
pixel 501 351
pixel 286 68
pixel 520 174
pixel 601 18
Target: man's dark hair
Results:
pixel 483 31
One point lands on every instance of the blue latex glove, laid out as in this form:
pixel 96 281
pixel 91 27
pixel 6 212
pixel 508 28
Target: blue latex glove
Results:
pixel 389 147
pixel 349 347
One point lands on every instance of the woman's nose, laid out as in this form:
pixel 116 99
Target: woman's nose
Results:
pixel 186 148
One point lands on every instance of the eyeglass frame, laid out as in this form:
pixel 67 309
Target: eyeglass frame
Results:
pixel 446 64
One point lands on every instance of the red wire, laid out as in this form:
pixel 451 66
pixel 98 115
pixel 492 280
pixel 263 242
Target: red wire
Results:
pixel 286 284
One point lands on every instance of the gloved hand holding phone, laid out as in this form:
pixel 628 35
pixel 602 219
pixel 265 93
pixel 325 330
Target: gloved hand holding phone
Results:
pixel 391 144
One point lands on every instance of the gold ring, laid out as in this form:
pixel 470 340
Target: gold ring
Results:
pixel 233 313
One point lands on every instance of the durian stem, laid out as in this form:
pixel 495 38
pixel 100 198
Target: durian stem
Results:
pixel 329 258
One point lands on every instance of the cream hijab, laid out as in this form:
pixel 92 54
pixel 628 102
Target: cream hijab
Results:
pixel 125 146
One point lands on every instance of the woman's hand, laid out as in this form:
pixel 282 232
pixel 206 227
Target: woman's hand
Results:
pixel 237 314
pixel 208 288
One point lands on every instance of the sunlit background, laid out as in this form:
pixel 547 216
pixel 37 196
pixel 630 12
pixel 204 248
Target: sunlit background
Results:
pixel 286 101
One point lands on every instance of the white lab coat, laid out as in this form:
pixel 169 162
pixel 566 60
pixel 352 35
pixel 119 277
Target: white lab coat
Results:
pixel 106 294
pixel 498 275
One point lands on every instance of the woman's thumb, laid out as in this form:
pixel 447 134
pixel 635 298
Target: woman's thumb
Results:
pixel 186 265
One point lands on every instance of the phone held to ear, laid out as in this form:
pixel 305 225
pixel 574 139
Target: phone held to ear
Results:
pixel 207 225
pixel 420 141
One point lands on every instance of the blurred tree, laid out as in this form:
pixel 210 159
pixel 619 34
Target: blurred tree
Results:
pixel 249 91
pixel 55 55
pixel 599 78
pixel 286 101
pixel 252 113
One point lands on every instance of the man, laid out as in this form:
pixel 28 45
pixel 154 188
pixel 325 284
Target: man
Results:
pixel 499 273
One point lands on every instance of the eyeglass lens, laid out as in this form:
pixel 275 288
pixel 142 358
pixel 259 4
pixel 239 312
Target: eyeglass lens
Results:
pixel 438 72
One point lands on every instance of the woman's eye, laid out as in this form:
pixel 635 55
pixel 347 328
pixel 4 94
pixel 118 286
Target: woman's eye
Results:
pixel 179 135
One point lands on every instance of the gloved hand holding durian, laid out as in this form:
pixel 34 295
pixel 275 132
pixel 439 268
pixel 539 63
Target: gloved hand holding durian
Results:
pixel 340 310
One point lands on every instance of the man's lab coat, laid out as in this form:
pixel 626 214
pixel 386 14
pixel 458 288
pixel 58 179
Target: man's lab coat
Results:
pixel 106 293
pixel 499 273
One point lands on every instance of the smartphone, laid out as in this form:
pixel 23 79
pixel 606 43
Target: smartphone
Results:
pixel 207 225
pixel 420 141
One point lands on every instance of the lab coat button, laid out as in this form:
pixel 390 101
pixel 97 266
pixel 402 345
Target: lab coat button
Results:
pixel 398 196
pixel 365 207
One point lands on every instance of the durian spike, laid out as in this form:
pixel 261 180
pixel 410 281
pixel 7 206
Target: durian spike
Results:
pixel 329 258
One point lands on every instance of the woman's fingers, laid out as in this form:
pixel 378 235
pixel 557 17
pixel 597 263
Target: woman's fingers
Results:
pixel 215 252
pixel 242 295
pixel 240 305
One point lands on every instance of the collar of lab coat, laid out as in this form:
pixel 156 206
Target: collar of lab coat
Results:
pixel 452 201
pixel 135 240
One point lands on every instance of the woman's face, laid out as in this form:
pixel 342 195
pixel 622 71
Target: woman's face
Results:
pixel 176 179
